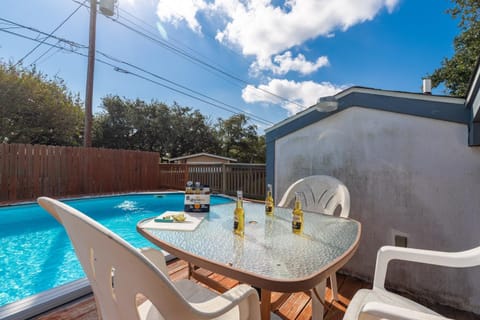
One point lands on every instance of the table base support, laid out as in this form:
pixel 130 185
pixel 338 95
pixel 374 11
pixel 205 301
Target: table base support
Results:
pixel 265 303
pixel 317 306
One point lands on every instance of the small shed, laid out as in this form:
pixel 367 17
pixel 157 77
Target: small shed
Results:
pixel 202 158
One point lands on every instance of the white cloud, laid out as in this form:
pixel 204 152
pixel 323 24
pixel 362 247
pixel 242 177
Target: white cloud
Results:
pixel 300 94
pixel 176 11
pixel 282 64
pixel 263 30
pixel 391 4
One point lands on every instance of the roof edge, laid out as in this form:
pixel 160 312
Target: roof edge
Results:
pixel 374 92
pixel 202 154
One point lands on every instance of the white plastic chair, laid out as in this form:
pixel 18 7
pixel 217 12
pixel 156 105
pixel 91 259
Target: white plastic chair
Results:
pixel 322 194
pixel 378 303
pixel 120 274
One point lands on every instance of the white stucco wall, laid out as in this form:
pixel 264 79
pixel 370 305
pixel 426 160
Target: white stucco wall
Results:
pixel 407 175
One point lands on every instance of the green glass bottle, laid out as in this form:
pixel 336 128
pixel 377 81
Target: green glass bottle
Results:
pixel 239 216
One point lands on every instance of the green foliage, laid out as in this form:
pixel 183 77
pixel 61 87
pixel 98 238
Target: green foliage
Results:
pixel 240 141
pixel 456 72
pixel 171 131
pixel 36 110
pixel 174 131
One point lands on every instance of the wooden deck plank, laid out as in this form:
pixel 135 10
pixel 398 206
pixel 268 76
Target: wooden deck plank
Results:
pixel 82 309
pixel 297 307
pixel 294 305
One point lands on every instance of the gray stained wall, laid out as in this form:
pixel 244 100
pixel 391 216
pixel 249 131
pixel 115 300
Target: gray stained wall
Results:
pixel 406 162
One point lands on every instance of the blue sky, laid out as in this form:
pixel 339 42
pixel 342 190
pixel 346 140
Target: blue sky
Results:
pixel 299 50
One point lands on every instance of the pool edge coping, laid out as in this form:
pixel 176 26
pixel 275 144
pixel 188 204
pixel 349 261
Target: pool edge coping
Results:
pixel 48 300
pixel 66 198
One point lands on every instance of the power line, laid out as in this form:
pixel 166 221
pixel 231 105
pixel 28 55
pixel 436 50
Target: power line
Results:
pixel 206 64
pixel 51 33
pixel 198 61
pixel 44 53
pixel 183 87
pixel 155 34
pixel 75 46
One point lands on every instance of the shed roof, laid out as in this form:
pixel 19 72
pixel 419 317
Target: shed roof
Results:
pixel 203 154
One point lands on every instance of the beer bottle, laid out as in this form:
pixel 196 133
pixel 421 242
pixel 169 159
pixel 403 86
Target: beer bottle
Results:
pixel 297 219
pixel 239 216
pixel 269 201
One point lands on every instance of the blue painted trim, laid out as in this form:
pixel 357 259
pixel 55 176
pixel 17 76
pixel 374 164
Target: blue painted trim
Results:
pixel 437 110
pixel 474 89
pixel 474 134
pixel 445 111
pixel 476 116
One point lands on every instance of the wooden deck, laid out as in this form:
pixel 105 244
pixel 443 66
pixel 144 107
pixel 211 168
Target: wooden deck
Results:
pixel 297 306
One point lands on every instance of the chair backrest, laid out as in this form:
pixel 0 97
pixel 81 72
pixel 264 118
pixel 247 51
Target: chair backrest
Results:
pixel 117 272
pixel 322 194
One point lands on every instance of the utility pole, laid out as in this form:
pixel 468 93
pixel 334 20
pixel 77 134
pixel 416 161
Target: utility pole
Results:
pixel 87 136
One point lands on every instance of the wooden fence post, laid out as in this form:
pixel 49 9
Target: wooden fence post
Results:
pixel 224 178
pixel 186 174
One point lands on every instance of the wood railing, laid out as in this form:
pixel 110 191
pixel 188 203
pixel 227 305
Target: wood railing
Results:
pixel 224 178
pixel 27 172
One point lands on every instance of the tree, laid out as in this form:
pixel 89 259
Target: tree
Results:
pixel 240 141
pixel 171 131
pixel 456 72
pixel 114 128
pixel 37 110
pixel 191 132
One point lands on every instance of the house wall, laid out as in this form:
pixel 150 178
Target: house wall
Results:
pixel 406 175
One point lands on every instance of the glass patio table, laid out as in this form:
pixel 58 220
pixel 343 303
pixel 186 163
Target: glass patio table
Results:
pixel 269 256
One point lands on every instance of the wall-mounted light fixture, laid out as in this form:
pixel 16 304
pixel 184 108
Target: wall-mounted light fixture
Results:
pixel 327 104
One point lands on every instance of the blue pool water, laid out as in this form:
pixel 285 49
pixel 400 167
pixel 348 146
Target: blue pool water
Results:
pixel 36 254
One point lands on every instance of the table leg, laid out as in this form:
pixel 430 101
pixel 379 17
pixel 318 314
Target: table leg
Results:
pixel 317 306
pixel 265 305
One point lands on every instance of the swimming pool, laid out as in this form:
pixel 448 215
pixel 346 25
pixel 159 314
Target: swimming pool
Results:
pixel 36 254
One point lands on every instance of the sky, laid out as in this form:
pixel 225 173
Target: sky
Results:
pixel 267 58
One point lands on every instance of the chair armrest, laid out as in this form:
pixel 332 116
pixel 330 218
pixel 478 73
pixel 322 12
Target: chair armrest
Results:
pixel 463 259
pixel 379 310
pixel 243 296
pixel 156 257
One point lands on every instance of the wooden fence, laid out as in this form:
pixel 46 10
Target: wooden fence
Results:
pixel 222 178
pixel 27 172
pixel 30 171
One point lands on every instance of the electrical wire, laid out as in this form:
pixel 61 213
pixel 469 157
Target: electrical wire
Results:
pixel 155 34
pixel 206 64
pixel 75 46
pixel 51 33
pixel 44 53
pixel 198 61
pixel 183 87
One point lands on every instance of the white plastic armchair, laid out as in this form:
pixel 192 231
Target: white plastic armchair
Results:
pixel 121 275
pixel 322 194
pixel 319 193
pixel 378 303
